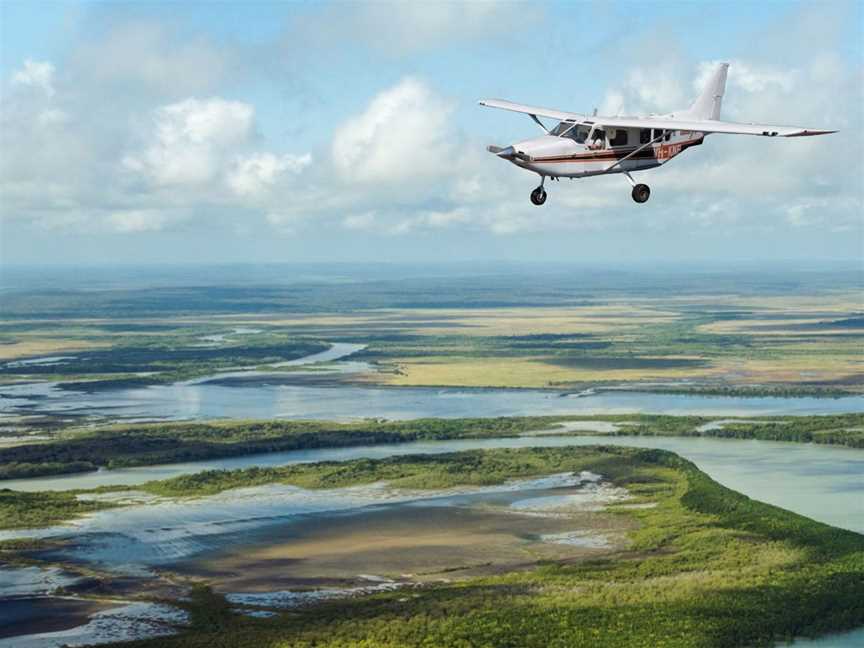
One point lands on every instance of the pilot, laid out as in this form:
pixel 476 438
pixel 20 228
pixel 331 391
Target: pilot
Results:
pixel 598 140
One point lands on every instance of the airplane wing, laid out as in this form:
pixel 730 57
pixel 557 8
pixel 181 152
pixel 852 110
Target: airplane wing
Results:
pixel 531 110
pixel 709 126
pixel 666 123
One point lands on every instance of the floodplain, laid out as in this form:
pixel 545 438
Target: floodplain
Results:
pixel 170 463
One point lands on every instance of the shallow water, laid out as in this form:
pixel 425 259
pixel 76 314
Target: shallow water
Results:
pixel 822 482
pixel 244 393
pixel 133 539
pixel 258 399
pixel 799 477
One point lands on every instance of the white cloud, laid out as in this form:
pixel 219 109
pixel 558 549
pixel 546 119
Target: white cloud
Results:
pixel 189 140
pixel 750 77
pixel 253 174
pixel 138 220
pixel 36 74
pixel 401 136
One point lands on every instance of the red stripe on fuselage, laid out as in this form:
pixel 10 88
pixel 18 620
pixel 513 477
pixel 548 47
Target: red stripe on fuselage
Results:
pixel 615 155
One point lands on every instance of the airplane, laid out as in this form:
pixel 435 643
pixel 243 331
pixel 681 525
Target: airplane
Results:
pixel 581 145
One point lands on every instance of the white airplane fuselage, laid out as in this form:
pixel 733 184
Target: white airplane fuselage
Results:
pixel 562 157
pixel 590 145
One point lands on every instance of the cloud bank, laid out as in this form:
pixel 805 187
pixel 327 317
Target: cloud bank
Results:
pixel 142 130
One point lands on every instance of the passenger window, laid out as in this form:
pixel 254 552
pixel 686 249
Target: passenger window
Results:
pixel 644 135
pixel 667 135
pixel 658 133
pixel 620 138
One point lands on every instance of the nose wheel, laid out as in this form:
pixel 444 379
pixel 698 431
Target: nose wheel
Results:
pixel 538 196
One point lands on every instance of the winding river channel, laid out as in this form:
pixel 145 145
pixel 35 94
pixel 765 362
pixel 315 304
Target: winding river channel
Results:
pixel 821 482
pixel 281 394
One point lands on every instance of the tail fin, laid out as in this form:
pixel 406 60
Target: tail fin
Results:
pixel 707 104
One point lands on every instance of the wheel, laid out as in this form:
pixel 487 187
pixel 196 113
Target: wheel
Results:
pixel 641 193
pixel 538 196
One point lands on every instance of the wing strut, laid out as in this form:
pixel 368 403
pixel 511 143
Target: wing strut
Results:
pixel 539 123
pixel 634 152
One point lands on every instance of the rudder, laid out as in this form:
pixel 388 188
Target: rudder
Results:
pixel 707 104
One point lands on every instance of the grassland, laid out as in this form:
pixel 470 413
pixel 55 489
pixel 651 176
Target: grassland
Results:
pixel 706 567
pixel 754 333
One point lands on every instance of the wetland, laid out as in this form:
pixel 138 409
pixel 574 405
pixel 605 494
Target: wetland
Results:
pixel 618 458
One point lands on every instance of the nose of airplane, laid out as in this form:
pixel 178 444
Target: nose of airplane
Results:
pixel 501 151
pixel 539 147
pixel 508 153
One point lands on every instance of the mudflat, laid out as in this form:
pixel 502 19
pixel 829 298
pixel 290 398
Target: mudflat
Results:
pixel 410 542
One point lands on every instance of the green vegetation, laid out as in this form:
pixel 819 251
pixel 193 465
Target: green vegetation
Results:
pixel 157 443
pixel 471 468
pixel 142 445
pixel 23 510
pixel 837 429
pixel 707 567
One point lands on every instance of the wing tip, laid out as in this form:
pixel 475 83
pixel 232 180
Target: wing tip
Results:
pixel 811 132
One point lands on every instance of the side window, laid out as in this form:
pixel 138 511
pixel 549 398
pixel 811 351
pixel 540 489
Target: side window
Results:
pixel 644 135
pixel 658 133
pixel 667 135
pixel 620 138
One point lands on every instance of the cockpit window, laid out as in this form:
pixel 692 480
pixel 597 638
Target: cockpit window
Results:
pixel 579 134
pixel 562 128
pixel 576 132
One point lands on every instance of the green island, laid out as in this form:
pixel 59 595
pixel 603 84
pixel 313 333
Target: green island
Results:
pixel 80 449
pixel 705 566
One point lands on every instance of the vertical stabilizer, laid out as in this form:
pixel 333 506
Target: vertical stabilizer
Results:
pixel 707 104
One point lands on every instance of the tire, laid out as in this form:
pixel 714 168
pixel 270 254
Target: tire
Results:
pixel 538 196
pixel 641 193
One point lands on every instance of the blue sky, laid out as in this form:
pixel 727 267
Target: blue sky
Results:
pixel 220 131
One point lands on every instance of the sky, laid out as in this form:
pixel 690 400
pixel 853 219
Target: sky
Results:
pixel 198 132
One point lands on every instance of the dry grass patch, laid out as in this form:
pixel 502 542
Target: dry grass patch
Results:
pixel 518 372
pixel 41 347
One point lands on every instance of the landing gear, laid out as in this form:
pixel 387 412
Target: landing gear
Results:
pixel 538 196
pixel 641 192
